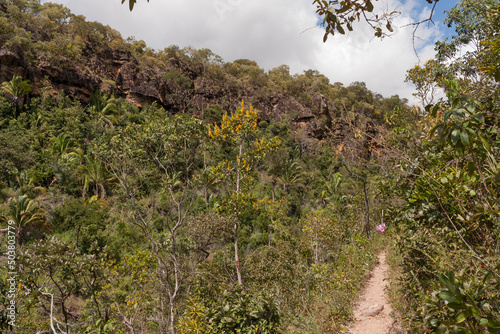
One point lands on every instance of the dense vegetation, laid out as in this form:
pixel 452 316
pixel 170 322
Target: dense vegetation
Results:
pixel 448 231
pixel 161 217
pixel 148 220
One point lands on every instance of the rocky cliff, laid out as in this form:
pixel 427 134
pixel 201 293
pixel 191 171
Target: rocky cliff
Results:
pixel 60 52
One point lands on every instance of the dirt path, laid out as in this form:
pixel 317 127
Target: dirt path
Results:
pixel 373 311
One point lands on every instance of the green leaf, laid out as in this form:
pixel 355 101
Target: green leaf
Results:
pixel 369 6
pixel 493 325
pixel 459 113
pixel 442 329
pixel 441 130
pixel 435 322
pixel 470 108
pixel 435 110
pixel 461 316
pixel 438 127
pixel 449 281
pixel 483 322
pixel 456 306
pixel 479 117
pixel 475 311
pixel 486 144
pixel 449 297
pixel 464 137
pixel 455 136
pixel 462 330
pixel 340 29
pixel 493 329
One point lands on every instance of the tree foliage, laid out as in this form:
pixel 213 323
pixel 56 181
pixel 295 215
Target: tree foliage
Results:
pixel 205 215
pixel 449 226
pixel 16 88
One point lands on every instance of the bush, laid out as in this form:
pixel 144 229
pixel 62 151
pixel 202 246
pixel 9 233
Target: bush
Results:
pixel 236 311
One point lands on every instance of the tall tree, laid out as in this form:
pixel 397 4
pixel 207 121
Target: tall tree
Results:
pixel 239 131
pixel 155 165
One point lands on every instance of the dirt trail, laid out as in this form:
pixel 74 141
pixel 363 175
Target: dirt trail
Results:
pixel 373 312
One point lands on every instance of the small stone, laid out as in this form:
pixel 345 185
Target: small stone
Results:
pixel 373 311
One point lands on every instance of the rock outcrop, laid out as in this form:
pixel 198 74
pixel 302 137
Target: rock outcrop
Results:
pixel 119 72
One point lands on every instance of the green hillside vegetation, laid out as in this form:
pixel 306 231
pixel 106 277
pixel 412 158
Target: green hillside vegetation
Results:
pixel 148 191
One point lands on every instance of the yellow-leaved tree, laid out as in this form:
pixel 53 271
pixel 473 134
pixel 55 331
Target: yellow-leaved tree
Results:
pixel 239 130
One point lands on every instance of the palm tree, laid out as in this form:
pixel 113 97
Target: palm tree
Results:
pixel 64 147
pixel 28 217
pixel 62 144
pixel 104 106
pixel 16 88
pixel 95 175
pixel 290 174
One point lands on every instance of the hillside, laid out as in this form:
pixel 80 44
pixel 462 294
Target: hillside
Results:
pixel 78 58
pixel 144 168
pixel 169 191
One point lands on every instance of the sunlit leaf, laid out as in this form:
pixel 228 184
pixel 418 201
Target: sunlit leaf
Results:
pixel 455 134
pixel 461 316
pixel 464 137
pixel 449 297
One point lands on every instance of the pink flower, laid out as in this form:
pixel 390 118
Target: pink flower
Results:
pixel 380 228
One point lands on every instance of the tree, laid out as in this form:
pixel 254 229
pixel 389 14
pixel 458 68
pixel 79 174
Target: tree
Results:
pixel 290 174
pixel 15 155
pixel 363 177
pixel 155 166
pixel 490 58
pixel 95 176
pixel 324 234
pixel 181 87
pixel 450 221
pixel 239 130
pixel 103 104
pixel 339 17
pixel 476 26
pixel 52 271
pixel 29 218
pixel 16 88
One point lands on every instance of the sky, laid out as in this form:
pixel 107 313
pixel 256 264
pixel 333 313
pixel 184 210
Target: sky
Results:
pixel 276 32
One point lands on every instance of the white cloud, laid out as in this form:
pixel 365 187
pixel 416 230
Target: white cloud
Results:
pixel 274 33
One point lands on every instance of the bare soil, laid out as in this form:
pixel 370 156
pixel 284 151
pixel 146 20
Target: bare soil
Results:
pixel 373 312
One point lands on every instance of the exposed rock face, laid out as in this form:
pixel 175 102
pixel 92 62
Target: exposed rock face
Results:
pixel 119 72
pixel 11 64
pixel 139 86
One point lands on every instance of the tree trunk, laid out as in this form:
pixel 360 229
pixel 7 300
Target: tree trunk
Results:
pixel 172 318
pixel 236 256
pixel 274 185
pixel 367 210
pixel 236 218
